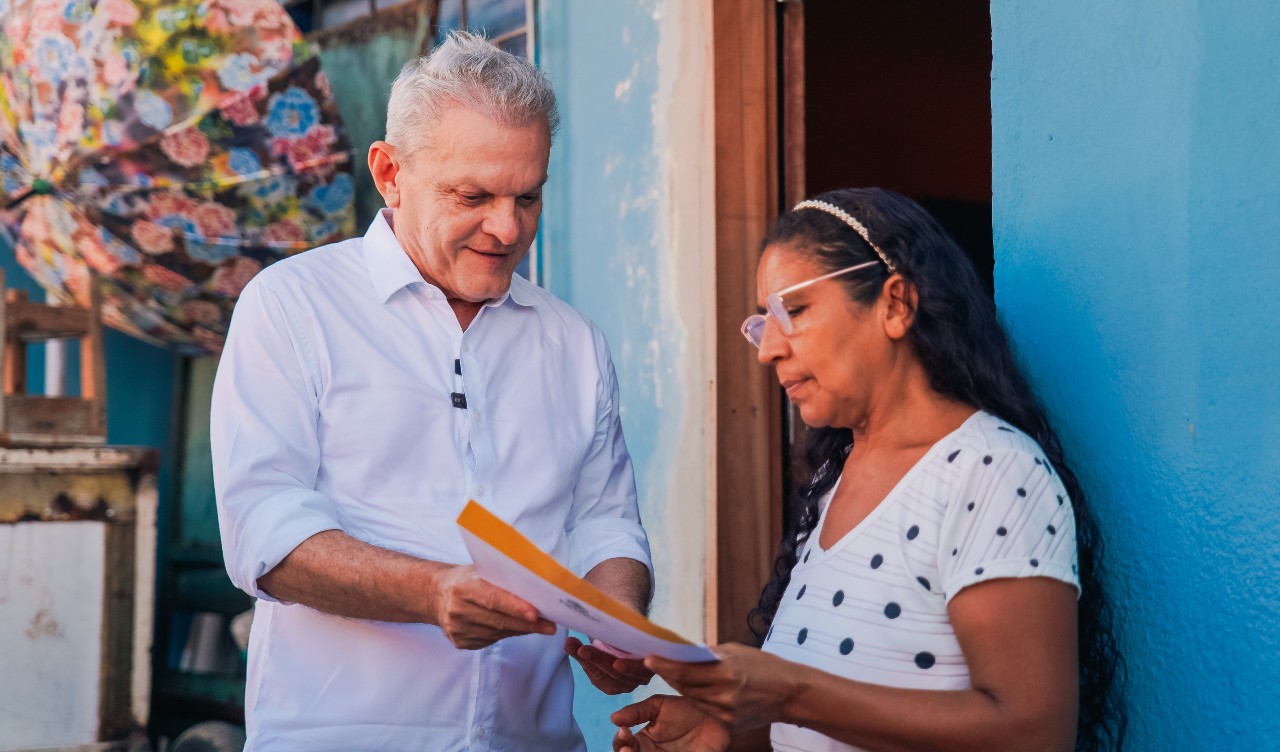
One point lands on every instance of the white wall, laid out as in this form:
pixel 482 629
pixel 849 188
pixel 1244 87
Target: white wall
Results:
pixel 51 605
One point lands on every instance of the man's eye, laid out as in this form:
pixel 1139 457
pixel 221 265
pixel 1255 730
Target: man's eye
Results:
pixel 470 198
pixel 530 200
pixel 796 311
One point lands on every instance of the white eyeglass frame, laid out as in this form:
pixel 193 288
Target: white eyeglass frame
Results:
pixel 753 327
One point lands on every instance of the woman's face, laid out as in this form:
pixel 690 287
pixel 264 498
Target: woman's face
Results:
pixel 837 350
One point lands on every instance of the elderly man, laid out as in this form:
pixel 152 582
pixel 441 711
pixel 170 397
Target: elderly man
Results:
pixel 368 389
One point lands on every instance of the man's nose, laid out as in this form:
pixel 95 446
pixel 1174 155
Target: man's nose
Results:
pixel 503 221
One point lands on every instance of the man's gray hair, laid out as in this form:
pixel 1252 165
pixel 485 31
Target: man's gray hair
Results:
pixel 466 71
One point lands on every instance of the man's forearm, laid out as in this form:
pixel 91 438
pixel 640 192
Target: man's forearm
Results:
pixel 625 579
pixel 337 574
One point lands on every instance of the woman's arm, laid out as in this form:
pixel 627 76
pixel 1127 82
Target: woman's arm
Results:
pixel 1018 637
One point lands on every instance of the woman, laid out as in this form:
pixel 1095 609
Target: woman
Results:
pixel 935 587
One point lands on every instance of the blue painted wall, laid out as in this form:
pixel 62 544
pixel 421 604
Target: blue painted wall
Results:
pixel 603 236
pixel 1136 166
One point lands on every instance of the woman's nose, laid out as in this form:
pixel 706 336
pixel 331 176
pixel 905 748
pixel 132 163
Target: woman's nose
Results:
pixel 773 343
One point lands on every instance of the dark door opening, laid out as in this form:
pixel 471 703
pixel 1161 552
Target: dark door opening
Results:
pixel 898 95
pixel 895 95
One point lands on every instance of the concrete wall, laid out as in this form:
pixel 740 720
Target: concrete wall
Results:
pixel 627 238
pixel 1136 176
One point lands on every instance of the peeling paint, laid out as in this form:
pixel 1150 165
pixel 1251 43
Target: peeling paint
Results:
pixel 626 227
pixel 622 89
pixel 43 624
pixel 61 497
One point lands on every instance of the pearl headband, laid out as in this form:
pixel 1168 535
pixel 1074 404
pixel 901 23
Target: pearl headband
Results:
pixel 848 219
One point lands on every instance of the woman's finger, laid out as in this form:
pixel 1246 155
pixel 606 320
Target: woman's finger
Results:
pixel 637 713
pixel 668 669
pixel 624 741
pixel 686 684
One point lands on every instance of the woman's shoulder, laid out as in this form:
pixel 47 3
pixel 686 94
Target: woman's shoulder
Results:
pixel 985 432
pixel 991 457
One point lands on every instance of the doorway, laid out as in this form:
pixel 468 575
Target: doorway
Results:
pixel 811 96
pixel 898 95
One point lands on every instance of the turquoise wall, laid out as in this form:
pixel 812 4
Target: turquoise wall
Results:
pixel 602 237
pixel 360 73
pixel 1136 166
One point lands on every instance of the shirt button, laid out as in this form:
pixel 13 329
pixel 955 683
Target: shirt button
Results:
pixel 480 491
pixel 482 732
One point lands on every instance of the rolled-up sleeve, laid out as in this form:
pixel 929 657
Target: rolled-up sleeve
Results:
pixel 604 522
pixel 265 449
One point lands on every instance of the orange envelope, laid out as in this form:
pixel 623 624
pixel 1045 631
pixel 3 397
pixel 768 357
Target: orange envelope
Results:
pixel 504 557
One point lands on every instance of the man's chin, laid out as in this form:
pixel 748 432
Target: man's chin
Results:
pixel 485 293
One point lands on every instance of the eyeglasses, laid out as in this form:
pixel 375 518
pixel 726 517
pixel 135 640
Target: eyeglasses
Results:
pixel 753 327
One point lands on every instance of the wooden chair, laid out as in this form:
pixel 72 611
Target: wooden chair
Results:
pixel 51 420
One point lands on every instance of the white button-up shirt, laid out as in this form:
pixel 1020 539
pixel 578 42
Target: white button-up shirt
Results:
pixel 333 410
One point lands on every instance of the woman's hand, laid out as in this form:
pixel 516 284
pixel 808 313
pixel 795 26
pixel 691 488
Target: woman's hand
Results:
pixel 610 674
pixel 745 689
pixel 675 724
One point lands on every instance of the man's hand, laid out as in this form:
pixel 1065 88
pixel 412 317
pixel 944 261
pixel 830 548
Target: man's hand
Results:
pixel 610 674
pixel 475 614
pixel 627 581
pixel 674 723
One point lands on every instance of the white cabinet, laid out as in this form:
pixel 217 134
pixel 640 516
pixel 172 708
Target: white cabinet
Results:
pixel 77 567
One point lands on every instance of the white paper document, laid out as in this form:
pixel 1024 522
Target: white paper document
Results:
pixel 504 557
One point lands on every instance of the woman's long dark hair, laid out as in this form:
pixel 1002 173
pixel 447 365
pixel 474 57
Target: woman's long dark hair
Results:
pixel 963 349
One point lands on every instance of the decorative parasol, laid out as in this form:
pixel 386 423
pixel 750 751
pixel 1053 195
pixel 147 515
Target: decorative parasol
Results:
pixel 173 147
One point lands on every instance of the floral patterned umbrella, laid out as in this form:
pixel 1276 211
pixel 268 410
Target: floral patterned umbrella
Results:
pixel 174 147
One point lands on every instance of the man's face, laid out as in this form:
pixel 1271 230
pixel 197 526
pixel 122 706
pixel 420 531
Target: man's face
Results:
pixel 467 203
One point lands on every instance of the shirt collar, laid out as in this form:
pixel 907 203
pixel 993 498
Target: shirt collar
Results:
pixel 391 269
pixel 522 292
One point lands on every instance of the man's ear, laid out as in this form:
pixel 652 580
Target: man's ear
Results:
pixel 901 298
pixel 385 171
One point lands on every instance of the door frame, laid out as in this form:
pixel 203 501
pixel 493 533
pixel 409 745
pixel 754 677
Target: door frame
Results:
pixel 758 163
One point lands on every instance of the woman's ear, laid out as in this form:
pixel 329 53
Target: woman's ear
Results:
pixel 901 298
pixel 385 171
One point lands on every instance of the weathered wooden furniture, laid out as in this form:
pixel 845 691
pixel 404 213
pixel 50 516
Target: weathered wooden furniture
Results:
pixel 51 420
pixel 78 536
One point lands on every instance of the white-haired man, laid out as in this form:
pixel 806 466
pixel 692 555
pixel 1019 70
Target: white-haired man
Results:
pixel 368 389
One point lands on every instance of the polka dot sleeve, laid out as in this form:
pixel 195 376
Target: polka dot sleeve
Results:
pixel 1012 519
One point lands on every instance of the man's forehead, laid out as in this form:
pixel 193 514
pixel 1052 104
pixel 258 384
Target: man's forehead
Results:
pixel 491 182
pixel 462 127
